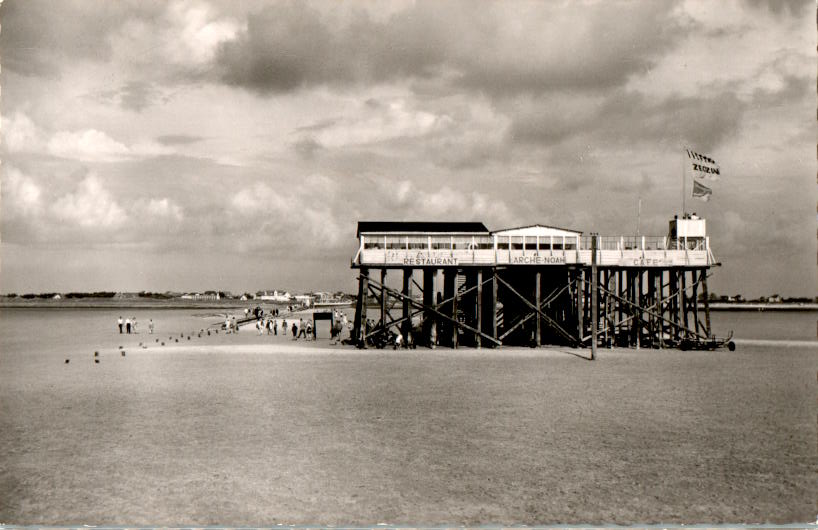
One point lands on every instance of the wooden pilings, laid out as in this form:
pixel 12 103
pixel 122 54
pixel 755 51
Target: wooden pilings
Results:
pixel 571 305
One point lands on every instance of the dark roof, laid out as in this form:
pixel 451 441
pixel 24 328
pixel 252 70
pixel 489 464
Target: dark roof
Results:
pixel 380 227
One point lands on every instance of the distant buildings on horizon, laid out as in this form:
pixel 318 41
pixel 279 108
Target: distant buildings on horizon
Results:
pixel 275 296
pixel 310 298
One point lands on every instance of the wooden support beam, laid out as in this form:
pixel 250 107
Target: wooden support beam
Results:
pixel 440 314
pixel 594 294
pixel 406 327
pixel 445 331
pixel 658 316
pixel 550 298
pixel 537 331
pixel 545 317
pixel 363 289
pixel 581 304
pixel 429 276
pixel 479 303
pixel 383 298
pixel 660 328
pixel 493 304
pixel 638 306
pixel 683 302
pixel 455 329
pixel 706 303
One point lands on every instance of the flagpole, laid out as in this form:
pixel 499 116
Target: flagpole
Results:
pixel 683 183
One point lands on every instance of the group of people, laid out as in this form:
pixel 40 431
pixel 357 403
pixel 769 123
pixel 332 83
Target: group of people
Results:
pixel 129 325
pixel 270 324
pixel 387 337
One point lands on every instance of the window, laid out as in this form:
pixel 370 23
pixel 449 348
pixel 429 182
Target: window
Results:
pixel 418 242
pixel 395 243
pixel 484 242
pixel 516 243
pixel 441 243
pixel 462 242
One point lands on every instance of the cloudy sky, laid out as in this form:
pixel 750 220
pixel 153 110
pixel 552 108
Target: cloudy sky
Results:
pixel 200 144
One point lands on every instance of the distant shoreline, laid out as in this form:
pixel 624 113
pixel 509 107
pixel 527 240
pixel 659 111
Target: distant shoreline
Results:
pixel 760 306
pixel 130 303
pixel 176 303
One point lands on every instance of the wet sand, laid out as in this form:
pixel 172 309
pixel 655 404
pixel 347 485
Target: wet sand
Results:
pixel 248 430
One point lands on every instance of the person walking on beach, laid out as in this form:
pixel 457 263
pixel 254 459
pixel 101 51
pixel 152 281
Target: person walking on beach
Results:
pixel 309 335
pixel 133 324
pixel 227 323
pixel 275 327
pixel 235 325
pixel 284 327
pixel 295 331
pixel 128 325
pixel 120 322
pixel 301 331
pixel 150 327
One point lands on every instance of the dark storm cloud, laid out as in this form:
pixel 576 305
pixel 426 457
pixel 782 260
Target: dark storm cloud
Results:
pixel 307 147
pixel 630 117
pixel 586 51
pixel 179 139
pixel 318 126
pixel 292 46
pixel 788 7
pixel 133 95
pixel 37 35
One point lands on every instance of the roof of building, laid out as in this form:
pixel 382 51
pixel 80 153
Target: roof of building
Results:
pixel 380 227
pixel 537 229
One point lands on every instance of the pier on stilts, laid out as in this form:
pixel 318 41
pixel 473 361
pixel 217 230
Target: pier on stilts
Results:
pixel 451 284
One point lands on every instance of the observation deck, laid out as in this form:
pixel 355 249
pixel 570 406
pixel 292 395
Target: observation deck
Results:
pixel 438 245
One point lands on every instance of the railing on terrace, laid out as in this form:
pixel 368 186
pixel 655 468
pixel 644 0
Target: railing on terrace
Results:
pixel 556 243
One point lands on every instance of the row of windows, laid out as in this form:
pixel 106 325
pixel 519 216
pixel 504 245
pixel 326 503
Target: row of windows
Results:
pixel 467 244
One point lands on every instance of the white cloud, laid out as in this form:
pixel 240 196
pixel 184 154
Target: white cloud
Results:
pixel 20 133
pixel 195 33
pixel 448 203
pixel 21 195
pixel 376 122
pixel 257 199
pixel 90 206
pixel 160 209
pixel 89 145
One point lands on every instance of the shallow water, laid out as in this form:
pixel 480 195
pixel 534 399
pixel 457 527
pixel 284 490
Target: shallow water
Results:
pixel 76 331
pixel 766 325
pixel 254 436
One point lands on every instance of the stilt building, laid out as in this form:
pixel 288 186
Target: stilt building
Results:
pixel 456 283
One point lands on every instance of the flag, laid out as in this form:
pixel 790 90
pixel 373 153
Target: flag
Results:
pixel 700 191
pixel 703 166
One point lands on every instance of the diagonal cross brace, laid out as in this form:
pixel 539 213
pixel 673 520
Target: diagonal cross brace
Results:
pixel 436 312
pixel 548 299
pixel 654 314
pixel 548 320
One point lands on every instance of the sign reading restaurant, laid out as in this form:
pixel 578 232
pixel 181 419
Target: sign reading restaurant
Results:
pixel 429 259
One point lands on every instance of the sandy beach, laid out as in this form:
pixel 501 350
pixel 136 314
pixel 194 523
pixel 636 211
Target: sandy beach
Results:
pixel 249 430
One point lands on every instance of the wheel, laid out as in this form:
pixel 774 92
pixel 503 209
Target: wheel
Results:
pixel 731 346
